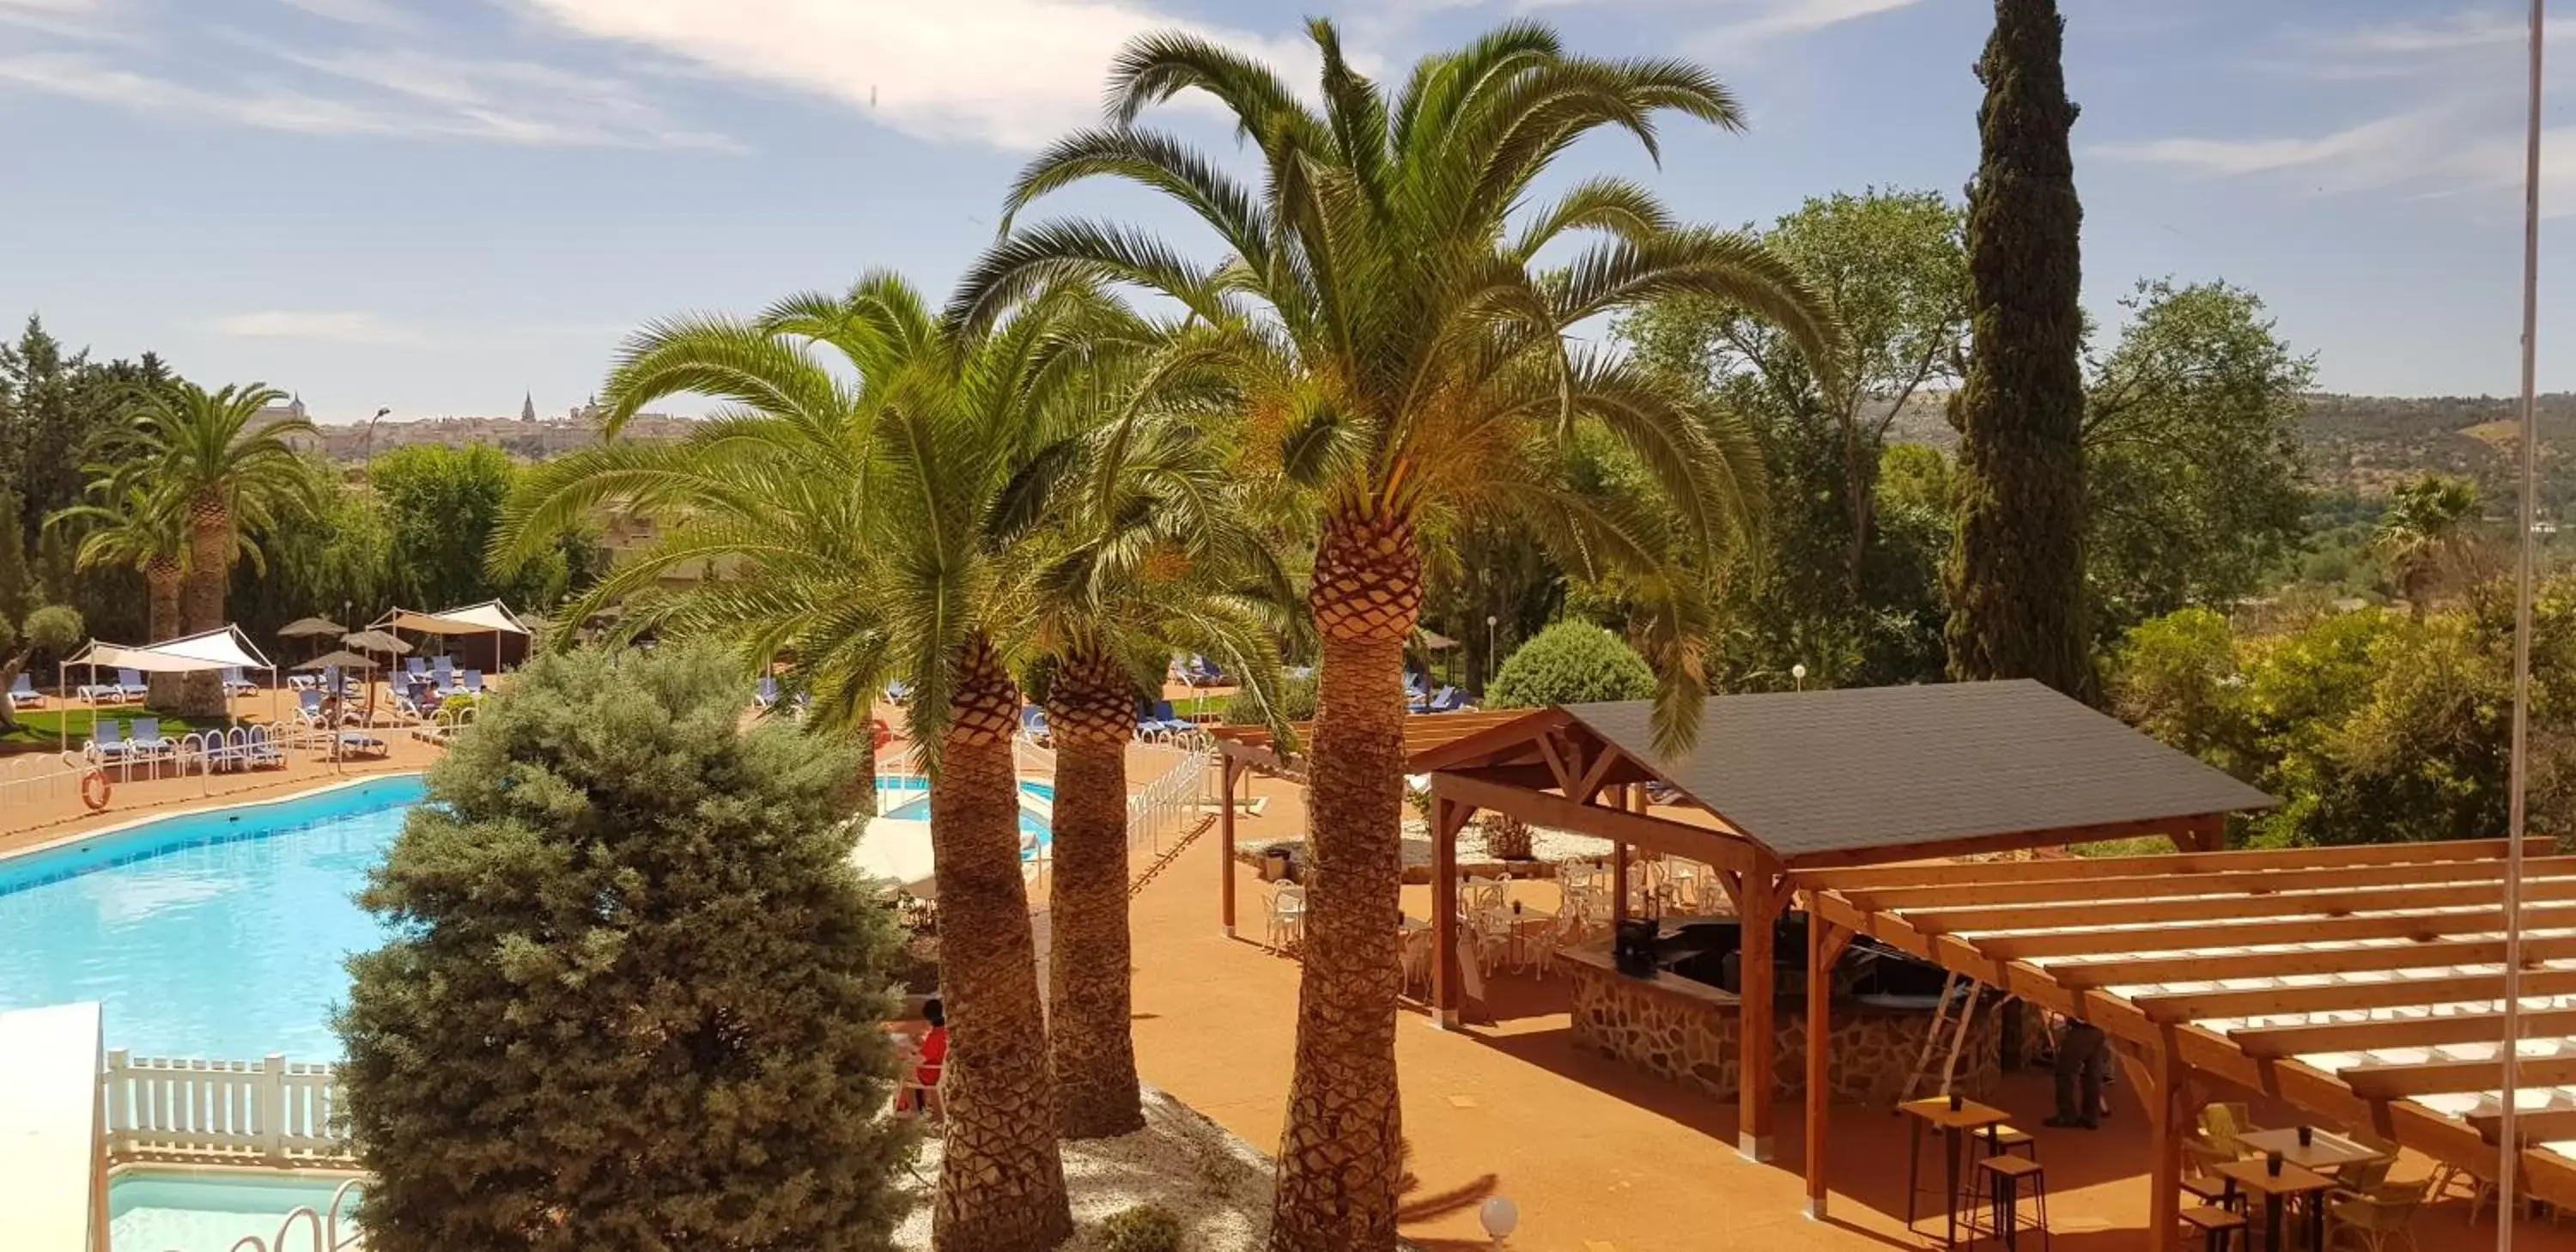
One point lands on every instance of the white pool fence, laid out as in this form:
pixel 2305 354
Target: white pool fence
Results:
pixel 273 1111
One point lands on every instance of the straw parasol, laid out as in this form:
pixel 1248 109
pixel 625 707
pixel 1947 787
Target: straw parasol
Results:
pixel 311 628
pixel 376 641
pixel 345 659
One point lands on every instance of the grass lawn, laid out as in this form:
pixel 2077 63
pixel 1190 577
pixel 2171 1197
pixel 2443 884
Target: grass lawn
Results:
pixel 1194 706
pixel 37 730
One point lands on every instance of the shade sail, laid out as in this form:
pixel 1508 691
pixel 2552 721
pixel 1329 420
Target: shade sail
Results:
pixel 489 617
pixel 193 654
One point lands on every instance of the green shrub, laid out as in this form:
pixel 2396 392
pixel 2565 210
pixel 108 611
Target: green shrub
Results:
pixel 1295 696
pixel 1144 1228
pixel 1570 663
pixel 634 992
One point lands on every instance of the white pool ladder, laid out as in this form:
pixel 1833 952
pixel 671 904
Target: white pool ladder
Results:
pixel 325 1227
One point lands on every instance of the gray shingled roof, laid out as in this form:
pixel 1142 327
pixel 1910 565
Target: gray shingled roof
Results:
pixel 1887 767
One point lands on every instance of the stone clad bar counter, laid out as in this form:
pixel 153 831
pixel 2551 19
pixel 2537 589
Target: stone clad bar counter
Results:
pixel 1680 1025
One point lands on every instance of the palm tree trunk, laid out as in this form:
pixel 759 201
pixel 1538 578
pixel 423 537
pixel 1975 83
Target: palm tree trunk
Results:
pixel 1001 1183
pixel 1341 1154
pixel 161 587
pixel 1091 710
pixel 210 529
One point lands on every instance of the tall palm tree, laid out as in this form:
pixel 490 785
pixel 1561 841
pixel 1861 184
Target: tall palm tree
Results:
pixel 2427 526
pixel 872 519
pixel 1399 352
pixel 235 475
pixel 145 534
pixel 1146 554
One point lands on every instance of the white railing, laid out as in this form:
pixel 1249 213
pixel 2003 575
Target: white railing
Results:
pixel 274 1109
pixel 1167 807
pixel 32 777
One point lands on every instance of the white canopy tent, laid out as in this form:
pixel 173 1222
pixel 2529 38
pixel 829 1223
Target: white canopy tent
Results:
pixel 490 618
pixel 207 652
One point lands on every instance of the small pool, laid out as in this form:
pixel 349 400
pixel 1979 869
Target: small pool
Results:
pixel 154 1211
pixel 218 934
pixel 908 800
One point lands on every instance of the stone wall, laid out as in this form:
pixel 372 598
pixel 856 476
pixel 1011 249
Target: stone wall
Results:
pixel 1686 1033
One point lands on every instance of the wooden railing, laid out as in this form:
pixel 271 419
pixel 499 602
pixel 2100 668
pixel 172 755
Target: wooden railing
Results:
pixel 272 1110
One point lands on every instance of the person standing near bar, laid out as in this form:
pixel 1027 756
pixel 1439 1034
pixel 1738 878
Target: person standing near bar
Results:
pixel 2081 1058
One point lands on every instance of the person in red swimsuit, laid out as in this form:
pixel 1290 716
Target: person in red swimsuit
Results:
pixel 934 1053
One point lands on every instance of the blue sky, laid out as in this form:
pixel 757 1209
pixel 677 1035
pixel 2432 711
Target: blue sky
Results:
pixel 438 205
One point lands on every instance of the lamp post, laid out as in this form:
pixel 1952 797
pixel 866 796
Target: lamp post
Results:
pixel 1491 622
pixel 1798 675
pixel 367 442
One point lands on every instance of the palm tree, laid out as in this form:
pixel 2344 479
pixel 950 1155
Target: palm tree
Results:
pixel 1146 555
pixel 1397 353
pixel 147 535
pixel 2426 527
pixel 873 528
pixel 199 451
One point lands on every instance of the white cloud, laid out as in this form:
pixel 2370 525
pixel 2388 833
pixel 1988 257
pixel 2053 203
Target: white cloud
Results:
pixel 1773 19
pixel 372 14
pixel 387 93
pixel 69 19
pixel 1015 73
pixel 2370 144
pixel 336 326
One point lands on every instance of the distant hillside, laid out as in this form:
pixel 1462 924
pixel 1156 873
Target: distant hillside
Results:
pixel 2367 443
pixel 526 440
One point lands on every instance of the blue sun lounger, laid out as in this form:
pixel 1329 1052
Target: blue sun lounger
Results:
pixel 23 693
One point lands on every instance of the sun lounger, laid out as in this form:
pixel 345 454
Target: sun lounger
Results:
pixel 1033 724
pixel 131 683
pixel 898 692
pixel 308 708
pixel 1445 700
pixel 107 743
pixel 235 684
pixel 473 682
pixel 145 739
pixel 23 693
pixel 359 743
pixel 766 693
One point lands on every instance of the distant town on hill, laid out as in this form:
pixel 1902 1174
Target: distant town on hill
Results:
pixel 527 436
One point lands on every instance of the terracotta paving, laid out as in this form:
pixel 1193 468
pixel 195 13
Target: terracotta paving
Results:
pixel 1599 1158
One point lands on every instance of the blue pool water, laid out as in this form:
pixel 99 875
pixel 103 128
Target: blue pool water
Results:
pixel 917 809
pixel 219 934
pixel 152 1211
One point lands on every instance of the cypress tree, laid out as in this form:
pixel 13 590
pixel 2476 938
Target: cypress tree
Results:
pixel 2017 591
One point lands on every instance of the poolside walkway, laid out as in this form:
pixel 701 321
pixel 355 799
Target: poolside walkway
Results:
pixel 1598 1157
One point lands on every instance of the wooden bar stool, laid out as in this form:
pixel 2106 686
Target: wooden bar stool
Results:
pixel 2217 1227
pixel 2008 1181
pixel 2000 1139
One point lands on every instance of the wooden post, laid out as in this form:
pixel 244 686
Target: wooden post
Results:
pixel 1825 943
pixel 1755 1016
pixel 2205 833
pixel 1447 816
pixel 1225 841
pixel 2165 1125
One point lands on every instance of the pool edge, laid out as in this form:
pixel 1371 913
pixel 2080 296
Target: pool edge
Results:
pixel 119 828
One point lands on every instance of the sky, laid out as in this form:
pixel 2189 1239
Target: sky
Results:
pixel 442 206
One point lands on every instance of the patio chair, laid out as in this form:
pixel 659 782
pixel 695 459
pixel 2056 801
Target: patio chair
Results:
pixel 2379 1219
pixel 1287 919
pixel 235 684
pixel 1414 948
pixel 107 742
pixel 2361 1178
pixel 131 683
pixel 360 743
pixel 146 739
pixel 23 693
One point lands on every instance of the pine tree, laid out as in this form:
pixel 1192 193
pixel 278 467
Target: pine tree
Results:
pixel 2017 574
pixel 634 993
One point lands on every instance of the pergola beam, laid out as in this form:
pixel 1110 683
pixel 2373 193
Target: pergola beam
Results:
pixel 1693 843
pixel 2297 962
pixel 2387 993
pixel 2162 886
pixel 2097 912
pixel 1915 874
pixel 2378 1033
pixel 2121 940
pixel 2380 1081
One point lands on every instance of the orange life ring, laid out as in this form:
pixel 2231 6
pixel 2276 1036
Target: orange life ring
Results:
pixel 94 789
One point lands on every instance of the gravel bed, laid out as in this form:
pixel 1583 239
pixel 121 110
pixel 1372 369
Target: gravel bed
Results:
pixel 1215 1183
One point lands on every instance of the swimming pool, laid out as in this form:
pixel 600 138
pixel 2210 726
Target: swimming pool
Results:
pixel 905 799
pixel 155 1211
pixel 218 934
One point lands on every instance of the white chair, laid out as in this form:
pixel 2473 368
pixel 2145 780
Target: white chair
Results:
pixel 1415 944
pixel 1481 895
pixel 1287 916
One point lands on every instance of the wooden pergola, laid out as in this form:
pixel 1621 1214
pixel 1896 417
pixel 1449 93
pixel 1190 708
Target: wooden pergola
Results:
pixel 1243 750
pixel 2365 985
pixel 1782 783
